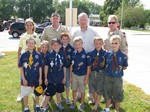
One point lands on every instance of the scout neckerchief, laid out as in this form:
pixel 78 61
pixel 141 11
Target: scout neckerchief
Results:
pixel 95 63
pixel 115 66
pixel 65 54
pixel 30 60
pixel 58 61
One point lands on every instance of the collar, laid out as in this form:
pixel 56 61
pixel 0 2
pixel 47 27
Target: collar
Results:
pixel 57 28
pixel 81 51
pixel 116 52
pixel 84 30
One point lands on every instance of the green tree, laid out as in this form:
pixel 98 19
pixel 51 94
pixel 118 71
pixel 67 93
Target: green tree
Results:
pixel 39 9
pixel 7 9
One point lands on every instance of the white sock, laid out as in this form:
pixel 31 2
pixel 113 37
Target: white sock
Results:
pixel 37 105
pixel 107 109
pixel 26 108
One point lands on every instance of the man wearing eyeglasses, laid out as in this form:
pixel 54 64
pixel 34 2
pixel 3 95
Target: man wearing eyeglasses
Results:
pixel 113 30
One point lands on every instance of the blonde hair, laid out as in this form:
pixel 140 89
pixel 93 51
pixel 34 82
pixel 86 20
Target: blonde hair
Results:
pixel 45 42
pixel 30 20
pixel 77 39
pixel 98 38
pixel 113 17
pixel 115 37
pixel 30 39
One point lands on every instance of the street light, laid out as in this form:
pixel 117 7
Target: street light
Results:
pixel 121 15
pixel 29 10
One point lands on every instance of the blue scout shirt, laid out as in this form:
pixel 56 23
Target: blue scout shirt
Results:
pixel 31 74
pixel 97 59
pixel 80 61
pixel 67 52
pixel 55 63
pixel 115 64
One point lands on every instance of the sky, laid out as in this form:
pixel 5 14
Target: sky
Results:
pixel 144 2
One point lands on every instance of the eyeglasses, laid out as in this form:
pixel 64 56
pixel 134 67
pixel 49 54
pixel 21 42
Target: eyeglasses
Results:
pixel 111 22
pixel 114 43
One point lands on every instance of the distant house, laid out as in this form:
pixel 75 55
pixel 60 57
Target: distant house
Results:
pixel 95 20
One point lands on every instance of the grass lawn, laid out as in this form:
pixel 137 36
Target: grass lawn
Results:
pixel 135 100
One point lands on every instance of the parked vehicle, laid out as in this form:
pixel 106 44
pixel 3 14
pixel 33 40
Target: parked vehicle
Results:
pixel 17 28
pixel 1 25
pixel 43 25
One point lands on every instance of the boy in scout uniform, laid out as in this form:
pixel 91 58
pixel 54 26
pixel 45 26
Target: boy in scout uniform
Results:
pixel 67 50
pixel 116 62
pixel 31 73
pixel 55 74
pixel 55 29
pixel 113 30
pixel 81 68
pixel 96 78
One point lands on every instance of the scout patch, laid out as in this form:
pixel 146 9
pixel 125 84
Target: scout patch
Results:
pixel 36 56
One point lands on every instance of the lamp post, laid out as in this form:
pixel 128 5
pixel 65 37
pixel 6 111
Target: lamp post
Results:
pixel 121 15
pixel 29 10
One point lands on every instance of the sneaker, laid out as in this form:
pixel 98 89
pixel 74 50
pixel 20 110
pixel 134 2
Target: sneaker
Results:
pixel 67 101
pixel 81 107
pixel 91 102
pixel 37 109
pixel 19 98
pixel 73 106
pixel 60 107
pixel 105 110
pixel 103 101
pixel 43 110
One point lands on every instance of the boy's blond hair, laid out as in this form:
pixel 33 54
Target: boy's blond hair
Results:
pixel 45 42
pixel 98 38
pixel 30 20
pixel 77 39
pixel 29 39
pixel 115 37
pixel 113 17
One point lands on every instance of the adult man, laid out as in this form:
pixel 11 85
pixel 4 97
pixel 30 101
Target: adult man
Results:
pixel 55 30
pixel 85 32
pixel 113 30
pixel 87 35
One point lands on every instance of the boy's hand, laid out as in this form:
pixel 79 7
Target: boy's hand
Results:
pixel 64 80
pixel 71 80
pixel 25 82
pixel 86 81
pixel 40 81
pixel 46 81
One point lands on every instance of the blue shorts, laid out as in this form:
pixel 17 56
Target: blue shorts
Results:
pixel 67 84
pixel 53 88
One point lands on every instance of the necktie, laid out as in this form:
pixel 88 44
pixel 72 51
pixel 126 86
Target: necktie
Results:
pixel 30 60
pixel 115 66
pixel 95 63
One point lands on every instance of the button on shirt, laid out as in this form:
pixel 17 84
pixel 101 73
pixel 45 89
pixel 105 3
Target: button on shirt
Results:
pixel 55 61
pixel 80 61
pixel 87 37
pixel 100 61
pixel 115 67
pixel 67 52
pixel 31 74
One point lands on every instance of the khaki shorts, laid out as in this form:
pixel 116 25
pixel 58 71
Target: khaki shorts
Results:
pixel 78 83
pixel 26 90
pixel 96 82
pixel 113 88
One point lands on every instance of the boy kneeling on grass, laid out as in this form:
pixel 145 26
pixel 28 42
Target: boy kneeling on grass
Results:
pixel 31 73
pixel 116 62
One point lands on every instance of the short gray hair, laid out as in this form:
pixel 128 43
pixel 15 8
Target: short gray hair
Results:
pixel 82 14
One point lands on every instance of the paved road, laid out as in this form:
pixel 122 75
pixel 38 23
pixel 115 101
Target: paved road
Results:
pixel 138 72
